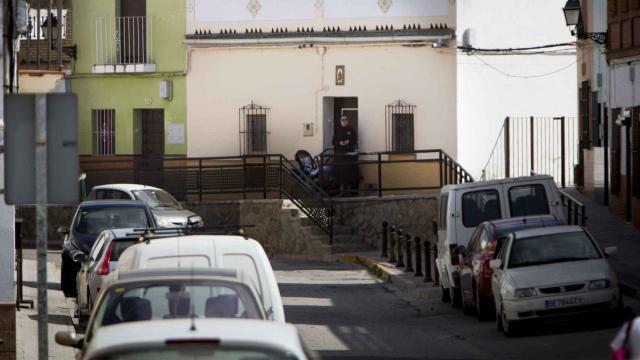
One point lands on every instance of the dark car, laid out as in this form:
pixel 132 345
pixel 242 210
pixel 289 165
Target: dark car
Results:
pixel 485 242
pixel 90 219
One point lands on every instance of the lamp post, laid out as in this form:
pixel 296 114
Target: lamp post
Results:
pixel 624 120
pixel 572 15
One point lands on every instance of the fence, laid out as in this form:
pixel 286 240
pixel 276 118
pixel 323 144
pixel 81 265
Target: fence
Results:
pixel 545 145
pixel 123 40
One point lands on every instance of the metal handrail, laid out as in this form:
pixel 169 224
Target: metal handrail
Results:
pixel 576 210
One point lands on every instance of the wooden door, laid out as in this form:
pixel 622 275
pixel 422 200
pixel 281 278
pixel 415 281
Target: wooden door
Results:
pixel 150 165
pixel 133 36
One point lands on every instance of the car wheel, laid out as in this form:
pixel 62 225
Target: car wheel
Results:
pixel 68 277
pixel 455 295
pixel 508 327
pixel 466 308
pixel 484 307
pixel 445 294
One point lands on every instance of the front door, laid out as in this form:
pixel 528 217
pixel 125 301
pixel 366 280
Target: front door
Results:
pixel 133 31
pixel 151 161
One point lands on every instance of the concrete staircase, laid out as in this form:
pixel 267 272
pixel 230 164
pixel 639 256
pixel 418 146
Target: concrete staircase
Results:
pixel 345 238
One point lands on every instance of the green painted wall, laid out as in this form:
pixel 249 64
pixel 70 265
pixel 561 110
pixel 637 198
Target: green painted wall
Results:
pixel 127 92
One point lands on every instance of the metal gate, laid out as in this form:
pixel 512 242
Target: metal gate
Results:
pixel 542 145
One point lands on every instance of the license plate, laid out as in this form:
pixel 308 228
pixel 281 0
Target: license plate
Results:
pixel 570 301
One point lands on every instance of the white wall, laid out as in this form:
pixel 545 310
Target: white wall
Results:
pixel 292 82
pixel 7 231
pixel 486 95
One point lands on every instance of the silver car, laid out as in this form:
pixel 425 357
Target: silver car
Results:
pixel 165 208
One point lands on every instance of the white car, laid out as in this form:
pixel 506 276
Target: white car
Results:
pixel 211 252
pixel 194 339
pixel 167 211
pixel 551 272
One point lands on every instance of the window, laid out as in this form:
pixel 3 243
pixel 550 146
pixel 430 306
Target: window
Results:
pixel 253 129
pixel 480 206
pixel 528 200
pixel 399 126
pixel 552 248
pixel 444 199
pixel 108 194
pixel 256 133
pixel 104 131
pixel 403 132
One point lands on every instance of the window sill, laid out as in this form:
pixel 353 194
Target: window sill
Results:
pixel 123 68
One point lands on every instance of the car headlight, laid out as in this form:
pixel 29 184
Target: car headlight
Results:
pixel 525 293
pixel 162 222
pixel 598 284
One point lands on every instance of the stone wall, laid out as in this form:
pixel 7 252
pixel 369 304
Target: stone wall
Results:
pixel 413 213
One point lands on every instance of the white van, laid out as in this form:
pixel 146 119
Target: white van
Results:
pixel 211 251
pixel 462 207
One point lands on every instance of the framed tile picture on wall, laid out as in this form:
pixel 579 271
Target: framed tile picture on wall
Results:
pixel 339 75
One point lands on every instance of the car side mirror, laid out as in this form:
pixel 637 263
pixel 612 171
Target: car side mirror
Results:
pixel 79 257
pixel 460 250
pixel 495 264
pixel 610 250
pixel 194 220
pixel 68 338
pixel 63 230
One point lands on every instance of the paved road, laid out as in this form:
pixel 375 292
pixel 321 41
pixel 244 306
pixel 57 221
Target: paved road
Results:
pixel 343 312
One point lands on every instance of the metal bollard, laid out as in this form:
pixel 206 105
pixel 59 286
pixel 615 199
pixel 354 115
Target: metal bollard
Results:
pixel 399 254
pixel 392 244
pixel 418 257
pixel 409 267
pixel 435 273
pixel 385 238
pixel 427 261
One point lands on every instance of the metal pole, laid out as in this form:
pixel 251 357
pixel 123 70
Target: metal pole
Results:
pixel 385 239
pixel 427 261
pixel 200 180
pixel 418 257
pixel 606 156
pixel 531 139
pixel 507 157
pixel 399 252
pixel 41 221
pixel 628 168
pixel 60 44
pixel 392 256
pixel 49 39
pixel 409 267
pixel 563 156
pixel 379 175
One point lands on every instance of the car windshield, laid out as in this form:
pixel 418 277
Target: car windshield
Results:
pixel 93 221
pixel 167 299
pixel 552 248
pixel 200 351
pixel 157 199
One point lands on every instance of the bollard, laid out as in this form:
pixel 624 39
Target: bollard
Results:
pixel 435 273
pixel 392 244
pixel 384 239
pixel 399 254
pixel 427 262
pixel 409 267
pixel 418 257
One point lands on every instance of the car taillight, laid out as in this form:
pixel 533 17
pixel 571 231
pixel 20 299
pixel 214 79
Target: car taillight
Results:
pixel 455 259
pixel 104 267
pixel 486 269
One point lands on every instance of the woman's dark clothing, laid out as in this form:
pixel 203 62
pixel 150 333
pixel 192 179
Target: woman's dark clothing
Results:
pixel 347 175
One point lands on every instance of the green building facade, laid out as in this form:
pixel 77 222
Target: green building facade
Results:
pixel 130 76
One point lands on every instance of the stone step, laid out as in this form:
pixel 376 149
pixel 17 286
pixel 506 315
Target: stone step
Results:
pixel 347 248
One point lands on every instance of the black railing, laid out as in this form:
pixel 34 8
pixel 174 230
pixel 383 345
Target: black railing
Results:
pixel 575 210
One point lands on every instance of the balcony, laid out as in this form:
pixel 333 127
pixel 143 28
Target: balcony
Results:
pixel 123 44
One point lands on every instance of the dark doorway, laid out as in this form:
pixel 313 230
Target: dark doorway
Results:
pixel 345 106
pixel 132 25
pixel 151 163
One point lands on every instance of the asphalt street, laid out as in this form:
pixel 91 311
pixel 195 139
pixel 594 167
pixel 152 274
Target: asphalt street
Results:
pixel 343 312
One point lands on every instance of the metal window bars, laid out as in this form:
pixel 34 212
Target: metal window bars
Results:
pixel 252 124
pixel 123 40
pixel 399 126
pixel 104 131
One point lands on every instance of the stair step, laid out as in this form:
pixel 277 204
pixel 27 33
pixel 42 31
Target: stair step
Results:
pixel 348 248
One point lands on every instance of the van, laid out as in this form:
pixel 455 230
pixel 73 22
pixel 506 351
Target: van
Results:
pixel 214 252
pixel 462 207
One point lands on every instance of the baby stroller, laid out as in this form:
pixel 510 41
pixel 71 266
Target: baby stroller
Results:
pixel 325 177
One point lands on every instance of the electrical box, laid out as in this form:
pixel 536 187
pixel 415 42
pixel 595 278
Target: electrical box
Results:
pixel 307 129
pixel 166 89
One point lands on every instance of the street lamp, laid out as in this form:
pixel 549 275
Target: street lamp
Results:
pixel 572 16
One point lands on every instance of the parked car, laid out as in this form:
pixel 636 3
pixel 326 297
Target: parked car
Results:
pixel 549 272
pixel 102 260
pixel 158 294
pixel 211 252
pixel 475 273
pixel 167 210
pixel 90 219
pixel 465 206
pixel 190 339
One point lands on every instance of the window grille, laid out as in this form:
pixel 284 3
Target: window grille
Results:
pixel 399 118
pixel 252 122
pixel 104 131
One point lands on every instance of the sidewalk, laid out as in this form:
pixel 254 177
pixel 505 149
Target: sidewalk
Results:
pixel 59 314
pixel 610 230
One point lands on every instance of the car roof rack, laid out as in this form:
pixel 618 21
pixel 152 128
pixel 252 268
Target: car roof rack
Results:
pixel 147 234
